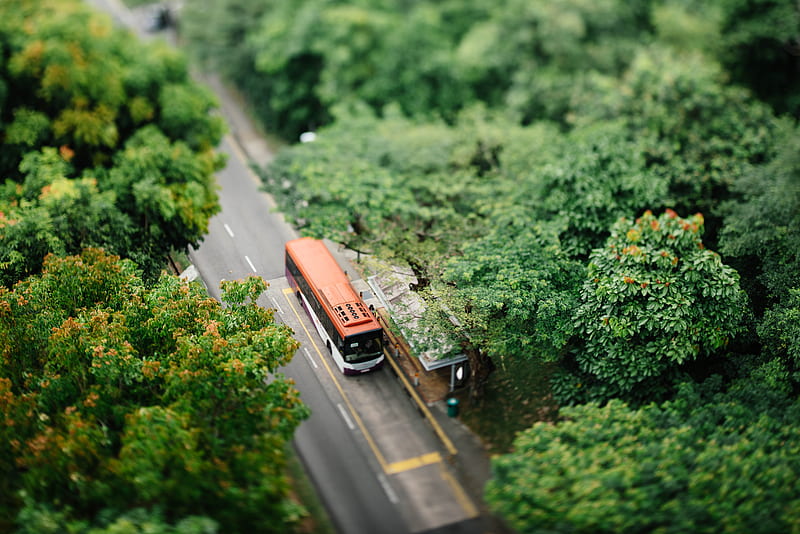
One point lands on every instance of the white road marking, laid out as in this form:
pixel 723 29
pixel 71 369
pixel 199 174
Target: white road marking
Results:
pixel 345 416
pixel 250 263
pixel 228 229
pixel 311 359
pixel 277 306
pixel 388 489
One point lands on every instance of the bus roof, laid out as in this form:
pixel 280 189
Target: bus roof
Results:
pixel 331 286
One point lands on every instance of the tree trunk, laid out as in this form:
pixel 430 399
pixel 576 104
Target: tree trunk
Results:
pixel 481 366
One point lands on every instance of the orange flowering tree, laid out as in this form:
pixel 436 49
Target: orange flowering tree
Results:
pixel 117 399
pixel 654 298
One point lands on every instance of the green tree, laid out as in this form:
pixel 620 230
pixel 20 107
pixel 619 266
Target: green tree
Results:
pixel 409 189
pixel 598 175
pixel 696 131
pixel 779 332
pixel 653 299
pixel 760 237
pixel 75 82
pixel 708 461
pixel 299 60
pixel 760 45
pixel 107 143
pixel 537 53
pixel 124 398
pixel 167 190
pixel 157 197
pixel 760 225
pixel 511 294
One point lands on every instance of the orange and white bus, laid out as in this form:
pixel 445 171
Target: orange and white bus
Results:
pixel 349 330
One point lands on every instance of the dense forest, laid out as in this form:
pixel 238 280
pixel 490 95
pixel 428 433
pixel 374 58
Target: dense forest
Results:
pixel 610 188
pixel 130 401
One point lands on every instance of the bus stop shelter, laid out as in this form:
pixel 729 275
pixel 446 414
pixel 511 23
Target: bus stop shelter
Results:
pixel 403 305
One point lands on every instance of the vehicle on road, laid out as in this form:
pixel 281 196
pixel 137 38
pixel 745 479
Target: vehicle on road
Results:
pixel 350 330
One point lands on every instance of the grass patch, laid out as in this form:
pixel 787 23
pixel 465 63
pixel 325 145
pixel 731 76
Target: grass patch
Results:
pixel 517 396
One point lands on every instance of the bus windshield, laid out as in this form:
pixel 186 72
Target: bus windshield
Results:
pixel 363 347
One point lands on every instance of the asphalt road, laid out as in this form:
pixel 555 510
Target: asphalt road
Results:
pixel 247 236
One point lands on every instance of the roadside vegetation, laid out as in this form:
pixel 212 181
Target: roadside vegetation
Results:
pixel 134 408
pixel 603 193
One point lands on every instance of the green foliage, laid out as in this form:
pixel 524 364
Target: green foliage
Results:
pixel 117 398
pixel 599 176
pixel 654 298
pixel 760 225
pixel 167 189
pixel 308 56
pixel 760 235
pixel 504 214
pixel 536 127
pixel 709 461
pixel 537 51
pixel 780 333
pixel 514 292
pixel 39 519
pixel 25 244
pixel 429 58
pixel 106 144
pixel 185 115
pixel 83 102
pixel 759 46
pixel 411 187
pixel 695 131
pixel 688 26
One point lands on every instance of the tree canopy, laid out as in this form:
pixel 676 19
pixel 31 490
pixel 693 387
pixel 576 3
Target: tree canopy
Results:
pixel 106 141
pixel 130 401
pixel 654 297
pixel 123 402
pixel 708 461
pixel 536 164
